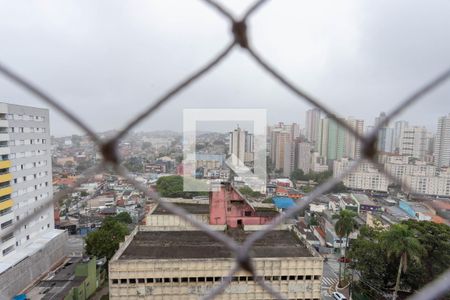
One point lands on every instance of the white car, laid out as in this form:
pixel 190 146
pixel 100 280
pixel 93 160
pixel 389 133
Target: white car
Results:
pixel 339 296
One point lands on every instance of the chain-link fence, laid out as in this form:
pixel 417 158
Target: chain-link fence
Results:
pixel 111 160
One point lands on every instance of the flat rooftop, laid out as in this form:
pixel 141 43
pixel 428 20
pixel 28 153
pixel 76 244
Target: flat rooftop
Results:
pixel 192 208
pixel 197 244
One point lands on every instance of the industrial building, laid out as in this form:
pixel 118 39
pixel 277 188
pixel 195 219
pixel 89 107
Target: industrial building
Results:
pixel 187 264
pixel 168 258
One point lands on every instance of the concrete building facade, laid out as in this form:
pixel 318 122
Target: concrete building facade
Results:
pixel 413 142
pixel 312 125
pixel 25 186
pixel 442 142
pixel 365 177
pixel 186 265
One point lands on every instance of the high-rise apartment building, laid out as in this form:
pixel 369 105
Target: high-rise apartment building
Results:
pixel 442 142
pixel 332 139
pixel 312 125
pixel 398 128
pixel 25 189
pixel 241 147
pixel 352 144
pixel 280 135
pixel 290 158
pixel 304 159
pixel 413 142
pixel 385 135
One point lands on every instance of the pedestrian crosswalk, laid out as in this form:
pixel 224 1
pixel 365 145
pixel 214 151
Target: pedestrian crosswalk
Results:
pixel 328 281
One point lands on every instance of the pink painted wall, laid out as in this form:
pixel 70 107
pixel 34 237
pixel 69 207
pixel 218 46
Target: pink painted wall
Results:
pixel 226 206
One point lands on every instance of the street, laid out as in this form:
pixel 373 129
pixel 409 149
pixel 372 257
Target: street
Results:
pixel 330 277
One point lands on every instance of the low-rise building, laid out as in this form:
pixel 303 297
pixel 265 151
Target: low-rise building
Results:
pixel 187 264
pixel 365 203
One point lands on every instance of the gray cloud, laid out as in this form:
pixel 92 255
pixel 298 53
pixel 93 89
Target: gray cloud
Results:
pixel 107 60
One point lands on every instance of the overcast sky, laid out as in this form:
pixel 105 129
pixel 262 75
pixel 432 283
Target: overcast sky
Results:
pixel 107 60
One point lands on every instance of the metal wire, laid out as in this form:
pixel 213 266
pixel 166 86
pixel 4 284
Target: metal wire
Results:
pixel 243 261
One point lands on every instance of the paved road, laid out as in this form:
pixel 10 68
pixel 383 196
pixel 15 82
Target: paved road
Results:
pixel 329 278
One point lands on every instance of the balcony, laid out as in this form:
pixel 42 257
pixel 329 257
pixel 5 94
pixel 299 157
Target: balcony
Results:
pixel 4 136
pixel 4 164
pixel 4 150
pixel 5 177
pixel 6 215
pixel 6 204
pixel 5 191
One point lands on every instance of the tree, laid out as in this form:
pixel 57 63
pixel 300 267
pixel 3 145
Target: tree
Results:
pixel 104 242
pixel 435 238
pixel 298 175
pixel 123 217
pixel 172 187
pixel 401 243
pixel 345 225
pixel 338 188
pixel 369 256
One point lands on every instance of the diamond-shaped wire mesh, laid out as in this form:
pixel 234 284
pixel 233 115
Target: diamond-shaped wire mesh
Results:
pixel 108 148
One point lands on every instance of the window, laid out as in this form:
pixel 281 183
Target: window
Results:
pixel 132 280
pixel 184 279
pixel 28 236
pixel 149 280
pixel 141 280
pixel 123 280
pixel 166 279
pixel 175 280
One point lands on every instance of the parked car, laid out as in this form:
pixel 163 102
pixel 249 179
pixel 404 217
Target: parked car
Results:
pixel 338 296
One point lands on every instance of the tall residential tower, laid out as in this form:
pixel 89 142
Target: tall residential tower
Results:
pixel 26 218
pixel 442 142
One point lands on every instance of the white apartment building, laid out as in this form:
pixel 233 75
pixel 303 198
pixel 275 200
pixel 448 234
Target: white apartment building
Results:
pixel 397 166
pixel 429 185
pixel 312 125
pixel 365 177
pixel 304 158
pixel 398 128
pixel 352 148
pixel 318 163
pixel 25 189
pixel 442 142
pixel 241 147
pixel 413 142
